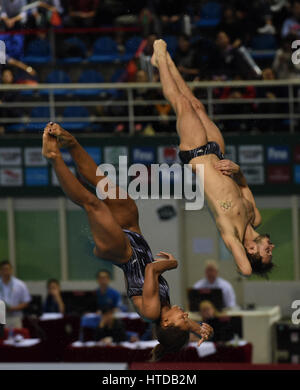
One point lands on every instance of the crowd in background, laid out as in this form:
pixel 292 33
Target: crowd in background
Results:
pixel 107 327
pixel 214 52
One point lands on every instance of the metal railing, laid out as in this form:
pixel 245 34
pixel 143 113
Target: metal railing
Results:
pixel 47 93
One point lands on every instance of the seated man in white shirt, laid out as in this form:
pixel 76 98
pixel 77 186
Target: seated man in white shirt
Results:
pixel 212 280
pixel 14 293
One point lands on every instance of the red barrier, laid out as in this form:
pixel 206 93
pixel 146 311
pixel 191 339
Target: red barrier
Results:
pixel 68 30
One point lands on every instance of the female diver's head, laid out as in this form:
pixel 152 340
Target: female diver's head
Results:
pixel 172 332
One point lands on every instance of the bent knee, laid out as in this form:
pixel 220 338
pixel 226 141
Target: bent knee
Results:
pixel 198 106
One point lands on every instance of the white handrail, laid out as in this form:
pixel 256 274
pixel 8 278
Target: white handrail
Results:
pixel 198 84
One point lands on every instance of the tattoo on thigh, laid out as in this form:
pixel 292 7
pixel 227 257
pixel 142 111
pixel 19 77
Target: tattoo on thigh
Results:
pixel 225 205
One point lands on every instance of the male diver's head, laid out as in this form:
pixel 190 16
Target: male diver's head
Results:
pixel 259 252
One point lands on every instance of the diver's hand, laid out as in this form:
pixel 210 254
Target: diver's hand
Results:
pixel 164 256
pixel 205 331
pixel 163 262
pixel 227 167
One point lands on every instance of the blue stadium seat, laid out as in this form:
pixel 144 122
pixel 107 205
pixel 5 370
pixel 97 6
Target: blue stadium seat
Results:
pixel 15 128
pixel 81 50
pixel 131 47
pixel 90 77
pixel 38 52
pixel 263 46
pixel 171 41
pixel 105 50
pixel 116 78
pixel 57 77
pixel 39 112
pixel 210 15
pixel 14 45
pixel 264 42
pixel 76 112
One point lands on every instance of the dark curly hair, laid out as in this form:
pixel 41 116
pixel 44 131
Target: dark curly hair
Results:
pixel 258 267
pixel 171 339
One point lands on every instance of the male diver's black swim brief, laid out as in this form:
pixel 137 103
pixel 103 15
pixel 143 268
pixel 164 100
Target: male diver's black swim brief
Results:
pixel 210 148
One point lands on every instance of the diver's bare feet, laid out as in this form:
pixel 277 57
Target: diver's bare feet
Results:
pixel 154 61
pixel 64 138
pixel 160 48
pixel 50 148
pixel 165 262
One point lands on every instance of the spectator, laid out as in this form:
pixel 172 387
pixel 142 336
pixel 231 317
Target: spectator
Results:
pixel 230 25
pixel 14 293
pixel 142 94
pixel 7 78
pixel 12 14
pixel 169 14
pixel 283 66
pixel 221 324
pixel 271 93
pixel 110 329
pixel 223 59
pixel 237 93
pixel 82 12
pixel 145 53
pixel 107 297
pixel 46 11
pixel 134 12
pixel 292 24
pixel 212 280
pixel 54 302
pixel 28 72
pixel 185 58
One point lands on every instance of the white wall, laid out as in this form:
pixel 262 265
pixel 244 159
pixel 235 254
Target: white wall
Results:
pixel 272 294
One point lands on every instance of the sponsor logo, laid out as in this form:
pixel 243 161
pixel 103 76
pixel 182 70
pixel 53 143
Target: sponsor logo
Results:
pixel 95 153
pixel 254 174
pixel 251 154
pixel 143 155
pixel 11 177
pixel 66 157
pixel 279 174
pixel 297 174
pixel 54 179
pixel 35 177
pixel 168 155
pixel 34 158
pixel 278 154
pixel 10 157
pixel 231 153
pixel 112 153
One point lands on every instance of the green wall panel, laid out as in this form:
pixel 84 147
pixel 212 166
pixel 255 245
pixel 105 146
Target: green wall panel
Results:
pixel 3 236
pixel 37 245
pixel 83 265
